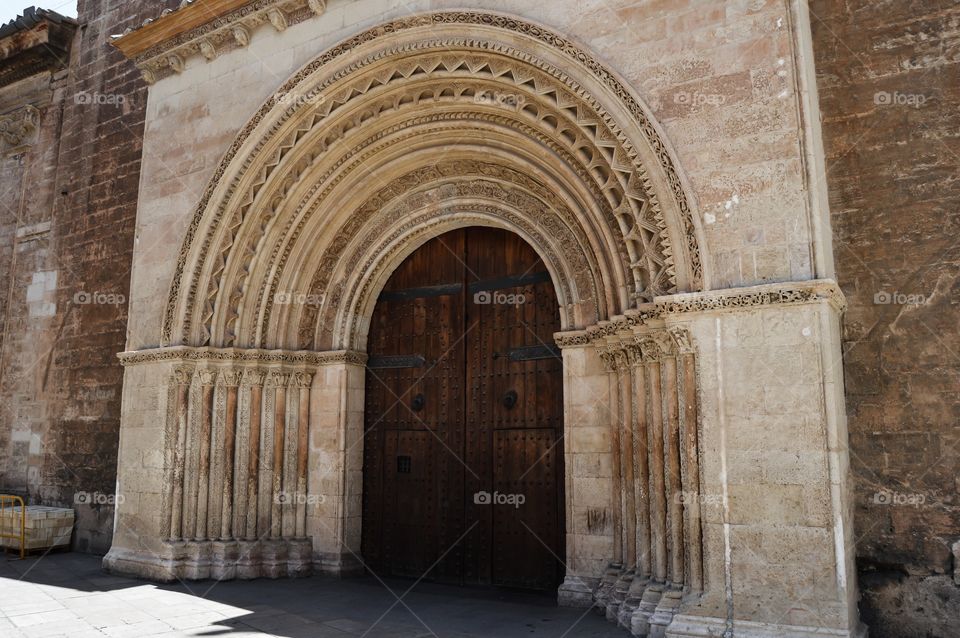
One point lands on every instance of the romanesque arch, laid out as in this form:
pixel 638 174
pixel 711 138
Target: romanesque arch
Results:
pixel 422 125
pixel 400 124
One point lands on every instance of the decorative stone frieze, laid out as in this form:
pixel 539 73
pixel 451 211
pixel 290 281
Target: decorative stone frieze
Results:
pixel 677 306
pixel 241 355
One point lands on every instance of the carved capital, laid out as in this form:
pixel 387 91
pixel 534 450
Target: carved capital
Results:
pixel 609 357
pixel 232 377
pixel 17 128
pixel 207 376
pixel 649 348
pixel 252 376
pixel 182 376
pixel 571 339
pixel 634 354
pixel 682 342
pixel 303 379
pixel 278 379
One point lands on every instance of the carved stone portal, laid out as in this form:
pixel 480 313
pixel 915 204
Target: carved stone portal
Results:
pixel 704 432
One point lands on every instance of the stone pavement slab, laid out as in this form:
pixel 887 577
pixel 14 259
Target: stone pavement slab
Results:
pixel 66 594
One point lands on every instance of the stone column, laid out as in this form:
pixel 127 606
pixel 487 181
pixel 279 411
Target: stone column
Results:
pixel 335 459
pixel 175 452
pixel 628 514
pixel 641 489
pixel 208 379
pixel 612 415
pixel 225 551
pixel 213 508
pixel 250 557
pixel 588 459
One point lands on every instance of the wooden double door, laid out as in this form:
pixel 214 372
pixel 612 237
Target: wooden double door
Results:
pixel 463 451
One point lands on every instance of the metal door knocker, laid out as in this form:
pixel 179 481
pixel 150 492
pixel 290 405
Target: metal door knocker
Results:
pixel 510 399
pixel 418 402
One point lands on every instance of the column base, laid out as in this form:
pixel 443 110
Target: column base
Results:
pixel 632 602
pixel 196 566
pixel 618 595
pixel 299 558
pixel 221 560
pixel 338 564
pixel 161 568
pixel 666 609
pixel 640 621
pixel 605 590
pixel 687 626
pixel 577 591
pixel 249 559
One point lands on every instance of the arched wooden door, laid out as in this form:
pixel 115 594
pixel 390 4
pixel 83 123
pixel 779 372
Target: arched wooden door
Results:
pixel 463 450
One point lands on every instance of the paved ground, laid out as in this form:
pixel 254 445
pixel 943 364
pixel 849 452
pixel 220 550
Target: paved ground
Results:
pixel 68 595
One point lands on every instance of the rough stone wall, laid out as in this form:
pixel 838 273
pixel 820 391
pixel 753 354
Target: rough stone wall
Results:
pixel 65 256
pixel 889 80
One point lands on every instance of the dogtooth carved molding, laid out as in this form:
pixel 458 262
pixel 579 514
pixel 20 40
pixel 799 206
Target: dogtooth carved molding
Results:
pixel 496 86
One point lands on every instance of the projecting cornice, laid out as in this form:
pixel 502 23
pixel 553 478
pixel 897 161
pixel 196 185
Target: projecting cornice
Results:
pixel 161 46
pixel 650 315
pixel 35 42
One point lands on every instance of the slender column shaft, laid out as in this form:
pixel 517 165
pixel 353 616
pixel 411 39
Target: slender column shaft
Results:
pixel 641 472
pixel 658 499
pixel 303 424
pixel 229 442
pixel 279 430
pixel 615 428
pixel 253 462
pixel 179 441
pixel 671 439
pixel 626 467
pixel 692 474
pixel 203 484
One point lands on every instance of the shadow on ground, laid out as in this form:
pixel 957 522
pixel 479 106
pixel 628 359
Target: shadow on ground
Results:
pixel 67 594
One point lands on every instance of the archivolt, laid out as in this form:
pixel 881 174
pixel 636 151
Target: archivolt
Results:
pixel 558 133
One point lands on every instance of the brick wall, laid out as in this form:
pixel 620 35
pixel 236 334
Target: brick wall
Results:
pixel 60 382
pixel 889 80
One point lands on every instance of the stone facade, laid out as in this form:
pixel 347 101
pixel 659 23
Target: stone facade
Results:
pixel 389 125
pixel 68 209
pixel 889 86
pixel 666 160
